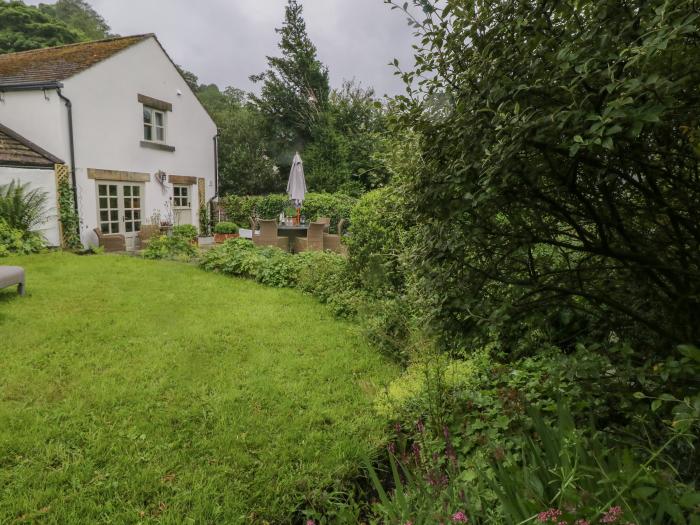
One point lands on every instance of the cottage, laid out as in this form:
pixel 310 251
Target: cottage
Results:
pixel 139 146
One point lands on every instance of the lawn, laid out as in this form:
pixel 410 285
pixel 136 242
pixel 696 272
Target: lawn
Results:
pixel 146 391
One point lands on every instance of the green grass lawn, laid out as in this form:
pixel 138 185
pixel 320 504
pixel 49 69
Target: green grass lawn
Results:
pixel 146 391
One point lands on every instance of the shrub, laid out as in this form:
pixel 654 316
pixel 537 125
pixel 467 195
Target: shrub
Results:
pixel 174 247
pixel 376 242
pixel 277 268
pixel 238 208
pixel 18 242
pixel 185 231
pixel 322 274
pixel 237 257
pixel 21 208
pixel 334 205
pixel 225 227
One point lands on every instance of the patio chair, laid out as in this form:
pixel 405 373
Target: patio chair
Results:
pixel 313 242
pixel 12 275
pixel 112 242
pixel 332 242
pixel 147 232
pixel 326 221
pixel 268 235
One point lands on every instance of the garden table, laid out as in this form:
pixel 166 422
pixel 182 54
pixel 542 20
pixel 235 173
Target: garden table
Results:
pixel 292 231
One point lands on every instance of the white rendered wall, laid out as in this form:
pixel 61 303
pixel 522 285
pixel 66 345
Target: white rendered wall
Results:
pixel 44 180
pixel 40 117
pixel 108 126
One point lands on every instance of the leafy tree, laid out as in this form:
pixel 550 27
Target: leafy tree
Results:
pixel 295 86
pixel 560 169
pixel 80 16
pixel 24 27
pixel 244 167
pixel 345 140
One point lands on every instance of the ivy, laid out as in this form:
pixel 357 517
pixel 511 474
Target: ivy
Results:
pixel 68 217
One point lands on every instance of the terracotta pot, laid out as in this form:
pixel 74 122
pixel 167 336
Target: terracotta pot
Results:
pixel 221 237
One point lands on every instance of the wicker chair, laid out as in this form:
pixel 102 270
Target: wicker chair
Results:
pixel 113 242
pixel 147 232
pixel 313 242
pixel 332 242
pixel 268 236
pixel 326 221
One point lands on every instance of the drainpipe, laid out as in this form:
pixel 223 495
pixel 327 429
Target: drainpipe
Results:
pixel 216 165
pixel 71 141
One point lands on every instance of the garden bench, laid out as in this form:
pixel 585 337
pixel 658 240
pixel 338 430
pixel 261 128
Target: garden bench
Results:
pixel 12 275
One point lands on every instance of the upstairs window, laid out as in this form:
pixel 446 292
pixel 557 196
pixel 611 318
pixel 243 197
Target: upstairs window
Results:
pixel 153 125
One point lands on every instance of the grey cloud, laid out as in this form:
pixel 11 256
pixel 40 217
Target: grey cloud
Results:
pixel 226 41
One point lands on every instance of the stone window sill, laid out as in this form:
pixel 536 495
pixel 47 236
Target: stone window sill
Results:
pixel 156 145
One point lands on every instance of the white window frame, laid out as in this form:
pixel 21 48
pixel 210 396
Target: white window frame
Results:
pixel 154 127
pixel 177 199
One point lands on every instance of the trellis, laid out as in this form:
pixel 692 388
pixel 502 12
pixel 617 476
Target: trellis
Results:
pixel 62 175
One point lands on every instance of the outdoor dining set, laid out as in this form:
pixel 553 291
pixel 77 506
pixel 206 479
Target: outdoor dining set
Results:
pixel 297 237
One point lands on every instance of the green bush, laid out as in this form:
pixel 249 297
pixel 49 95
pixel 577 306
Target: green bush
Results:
pixel 270 206
pixel 225 227
pixel 239 209
pixel 21 208
pixel 337 206
pixel 321 274
pixel 18 242
pixel 375 246
pixel 173 247
pixel 185 231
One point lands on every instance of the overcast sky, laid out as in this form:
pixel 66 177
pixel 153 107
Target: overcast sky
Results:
pixel 226 41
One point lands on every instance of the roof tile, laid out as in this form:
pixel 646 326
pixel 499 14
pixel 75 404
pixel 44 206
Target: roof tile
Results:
pixel 54 64
pixel 15 150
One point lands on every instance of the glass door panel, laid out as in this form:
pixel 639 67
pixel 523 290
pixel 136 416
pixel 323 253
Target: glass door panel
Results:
pixel 108 207
pixel 132 208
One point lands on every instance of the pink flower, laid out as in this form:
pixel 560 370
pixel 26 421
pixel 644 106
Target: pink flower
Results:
pixel 582 522
pixel 612 515
pixel 549 515
pixel 460 517
pixel 409 522
pixel 310 522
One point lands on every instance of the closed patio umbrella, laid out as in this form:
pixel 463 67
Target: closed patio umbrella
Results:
pixel 296 186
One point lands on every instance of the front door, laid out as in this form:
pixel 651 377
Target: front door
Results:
pixel 119 208
pixel 182 205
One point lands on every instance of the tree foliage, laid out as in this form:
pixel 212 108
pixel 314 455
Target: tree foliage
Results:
pixel 295 87
pixel 557 139
pixel 24 27
pixel 78 15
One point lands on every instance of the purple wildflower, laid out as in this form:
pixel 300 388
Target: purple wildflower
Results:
pixel 582 522
pixel 391 447
pixel 549 515
pixel 459 517
pixel 612 515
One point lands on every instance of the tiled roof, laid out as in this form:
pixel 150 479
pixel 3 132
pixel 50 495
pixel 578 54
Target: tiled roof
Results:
pixel 53 64
pixel 15 150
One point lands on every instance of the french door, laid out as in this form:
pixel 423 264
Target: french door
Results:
pixel 120 209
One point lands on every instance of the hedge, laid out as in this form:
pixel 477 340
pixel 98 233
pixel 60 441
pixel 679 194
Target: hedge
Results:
pixel 337 206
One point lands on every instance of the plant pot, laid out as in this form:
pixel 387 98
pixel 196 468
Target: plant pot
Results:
pixel 223 237
pixel 205 241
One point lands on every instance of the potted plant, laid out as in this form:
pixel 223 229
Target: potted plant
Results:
pixel 224 231
pixel 291 214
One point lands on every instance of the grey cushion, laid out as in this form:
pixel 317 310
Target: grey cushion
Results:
pixel 11 275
